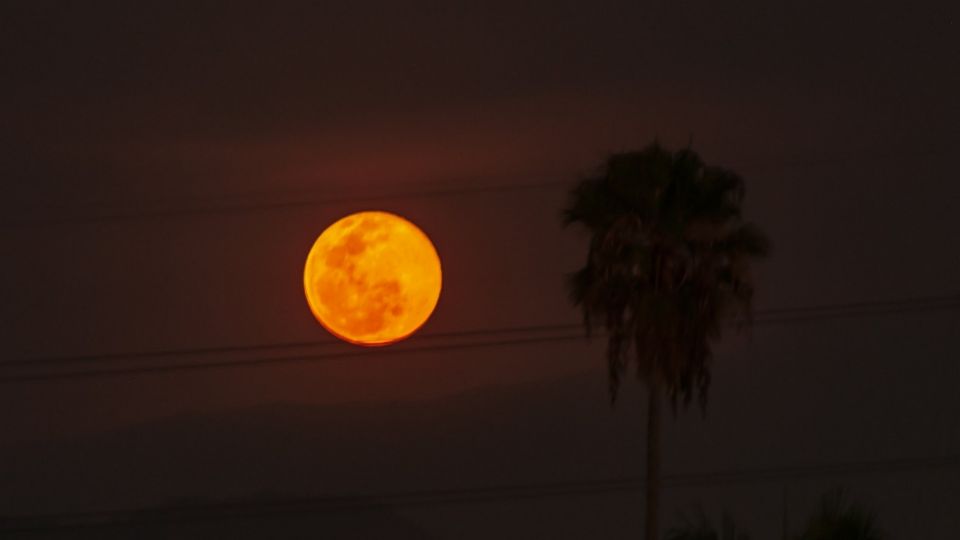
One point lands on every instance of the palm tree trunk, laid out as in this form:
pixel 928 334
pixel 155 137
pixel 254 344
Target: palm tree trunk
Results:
pixel 653 460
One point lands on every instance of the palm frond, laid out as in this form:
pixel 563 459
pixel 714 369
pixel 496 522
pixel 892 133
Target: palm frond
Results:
pixel 669 259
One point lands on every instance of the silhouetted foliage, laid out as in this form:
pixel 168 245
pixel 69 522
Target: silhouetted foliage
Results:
pixel 668 262
pixel 834 519
pixel 697 526
pixel 839 520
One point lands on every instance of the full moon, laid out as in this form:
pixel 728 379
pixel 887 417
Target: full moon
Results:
pixel 372 278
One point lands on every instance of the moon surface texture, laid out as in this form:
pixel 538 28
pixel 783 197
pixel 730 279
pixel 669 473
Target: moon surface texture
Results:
pixel 372 278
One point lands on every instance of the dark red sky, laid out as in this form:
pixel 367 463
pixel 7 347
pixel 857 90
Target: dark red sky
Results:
pixel 842 118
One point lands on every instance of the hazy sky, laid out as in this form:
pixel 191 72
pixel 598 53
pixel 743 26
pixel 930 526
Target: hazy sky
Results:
pixel 842 118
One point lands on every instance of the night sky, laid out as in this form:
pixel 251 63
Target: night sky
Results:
pixel 165 167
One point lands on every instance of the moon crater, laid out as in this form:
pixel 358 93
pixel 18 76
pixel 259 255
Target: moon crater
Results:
pixel 372 278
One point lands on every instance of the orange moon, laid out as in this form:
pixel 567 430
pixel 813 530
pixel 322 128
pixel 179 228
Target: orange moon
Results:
pixel 372 278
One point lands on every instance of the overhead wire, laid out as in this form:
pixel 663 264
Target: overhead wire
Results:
pixel 217 207
pixel 468 340
pixel 435 497
pixel 312 197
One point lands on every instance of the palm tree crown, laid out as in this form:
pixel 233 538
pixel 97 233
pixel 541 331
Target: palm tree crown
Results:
pixel 668 261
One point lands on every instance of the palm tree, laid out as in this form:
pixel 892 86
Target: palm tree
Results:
pixel 837 520
pixel 668 262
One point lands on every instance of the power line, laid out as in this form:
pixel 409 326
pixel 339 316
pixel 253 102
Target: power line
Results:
pixel 861 308
pixel 203 351
pixel 251 362
pixel 768 316
pixel 353 503
pixel 535 335
pixel 222 205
